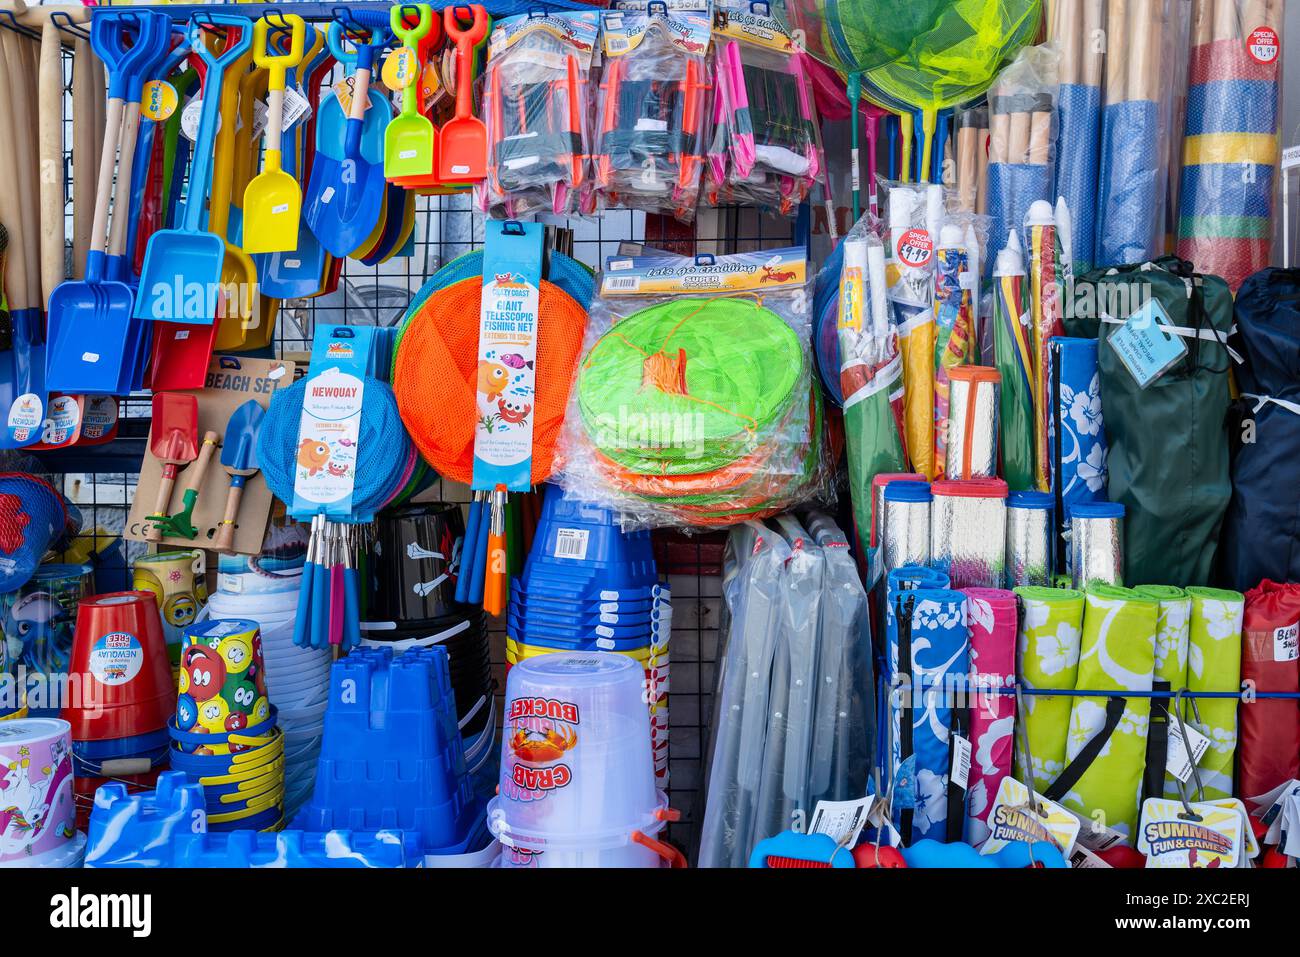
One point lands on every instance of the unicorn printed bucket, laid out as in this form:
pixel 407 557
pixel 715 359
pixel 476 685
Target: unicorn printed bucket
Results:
pixel 178 582
pixel 37 810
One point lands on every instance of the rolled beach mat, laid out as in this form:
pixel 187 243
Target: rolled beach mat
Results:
pixel 1047 656
pixel 968 521
pixel 1269 746
pixel 878 485
pixel 974 394
pixel 1029 539
pixel 1117 651
pixel 1172 631
pixel 906 526
pixel 1096 543
pixel 991 616
pixel 1214 664
pixel 1078 450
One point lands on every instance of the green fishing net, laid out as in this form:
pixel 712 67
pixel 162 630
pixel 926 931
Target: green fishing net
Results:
pixel 689 385
pixel 928 54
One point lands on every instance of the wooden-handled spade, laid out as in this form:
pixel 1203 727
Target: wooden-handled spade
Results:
pixel 172 442
pixel 181 524
pixel 239 458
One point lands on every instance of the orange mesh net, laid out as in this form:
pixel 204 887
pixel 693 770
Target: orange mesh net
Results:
pixel 436 373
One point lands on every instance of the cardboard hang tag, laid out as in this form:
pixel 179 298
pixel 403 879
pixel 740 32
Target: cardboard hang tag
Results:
pixel 1012 819
pixel 230 382
pixel 1210 837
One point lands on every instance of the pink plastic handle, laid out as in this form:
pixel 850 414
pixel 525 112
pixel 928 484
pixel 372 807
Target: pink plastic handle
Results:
pixel 336 605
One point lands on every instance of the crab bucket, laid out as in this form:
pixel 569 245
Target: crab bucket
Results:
pixel 577 773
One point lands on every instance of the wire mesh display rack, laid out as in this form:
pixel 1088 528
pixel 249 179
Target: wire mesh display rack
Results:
pixel 100 481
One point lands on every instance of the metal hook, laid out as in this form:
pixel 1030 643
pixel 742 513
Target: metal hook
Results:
pixel 1026 757
pixel 1187 745
pixel 15 26
pixel 64 24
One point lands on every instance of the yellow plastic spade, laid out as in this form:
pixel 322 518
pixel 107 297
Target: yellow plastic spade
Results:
pixel 273 200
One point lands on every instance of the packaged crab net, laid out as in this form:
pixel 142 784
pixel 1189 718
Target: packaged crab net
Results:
pixel 694 403
pixel 765 149
pixel 537 98
pixel 652 106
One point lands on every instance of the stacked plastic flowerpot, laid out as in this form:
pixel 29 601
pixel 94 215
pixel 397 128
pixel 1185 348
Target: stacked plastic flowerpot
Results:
pixel 224 735
pixel 120 694
pixel 588 585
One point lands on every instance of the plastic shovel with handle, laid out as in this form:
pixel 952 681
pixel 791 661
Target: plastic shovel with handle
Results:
pixel 409 142
pixel 345 195
pixel 239 459
pixel 462 142
pixel 273 200
pixel 173 441
pixel 180 281
pixel 89 320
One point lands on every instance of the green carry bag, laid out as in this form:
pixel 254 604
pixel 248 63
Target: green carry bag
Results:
pixel 1168 442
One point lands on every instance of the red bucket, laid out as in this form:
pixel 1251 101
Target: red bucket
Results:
pixel 120 682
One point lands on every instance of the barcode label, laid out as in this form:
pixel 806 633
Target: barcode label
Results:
pixel 616 44
pixel 622 283
pixel 571 543
pixel 960 761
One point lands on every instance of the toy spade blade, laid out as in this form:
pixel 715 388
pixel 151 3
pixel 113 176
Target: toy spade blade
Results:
pixel 239 458
pixel 239 448
pixel 173 440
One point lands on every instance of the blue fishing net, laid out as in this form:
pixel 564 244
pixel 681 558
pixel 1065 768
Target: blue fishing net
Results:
pixel 33 517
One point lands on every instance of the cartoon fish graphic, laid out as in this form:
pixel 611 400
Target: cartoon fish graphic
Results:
pixel 313 455
pixel 493 378
pixel 515 361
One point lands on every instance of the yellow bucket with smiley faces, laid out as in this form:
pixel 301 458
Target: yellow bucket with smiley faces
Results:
pixel 178 583
pixel 222 684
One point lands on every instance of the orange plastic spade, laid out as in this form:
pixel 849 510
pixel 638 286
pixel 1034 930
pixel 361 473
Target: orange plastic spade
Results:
pixel 462 142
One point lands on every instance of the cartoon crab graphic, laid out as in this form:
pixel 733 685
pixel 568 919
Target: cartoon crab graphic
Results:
pixel 542 746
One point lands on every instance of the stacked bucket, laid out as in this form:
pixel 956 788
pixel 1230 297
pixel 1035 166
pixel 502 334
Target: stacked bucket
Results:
pixel 297 679
pixel 412 570
pixel 119 695
pixel 588 585
pixel 577 785
pixel 392 756
pixel 224 735
pixel 38 806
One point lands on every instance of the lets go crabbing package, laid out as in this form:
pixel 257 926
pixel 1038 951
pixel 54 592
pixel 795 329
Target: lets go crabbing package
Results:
pixel 652 109
pixel 765 147
pixel 536 100
pixel 693 402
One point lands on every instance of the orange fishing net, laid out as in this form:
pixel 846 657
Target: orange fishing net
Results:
pixel 435 375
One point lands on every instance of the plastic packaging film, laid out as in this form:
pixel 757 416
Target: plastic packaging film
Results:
pixel 968 531
pixel 973 423
pixel 905 534
pixel 1097 543
pixel 1029 539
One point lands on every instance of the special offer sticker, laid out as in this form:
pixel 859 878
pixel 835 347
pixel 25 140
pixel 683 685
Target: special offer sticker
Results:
pixel 1263 45
pixel 915 248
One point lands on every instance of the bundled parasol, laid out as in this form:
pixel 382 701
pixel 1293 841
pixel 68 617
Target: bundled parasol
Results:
pixel 1131 182
pixel 1076 29
pixel 1014 359
pixel 1225 216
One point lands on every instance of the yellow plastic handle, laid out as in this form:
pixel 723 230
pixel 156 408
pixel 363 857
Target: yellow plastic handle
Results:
pixel 278 64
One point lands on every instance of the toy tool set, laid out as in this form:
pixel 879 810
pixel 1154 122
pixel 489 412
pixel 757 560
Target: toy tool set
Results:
pixel 648 433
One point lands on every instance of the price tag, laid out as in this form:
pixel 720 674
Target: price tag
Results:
pixel 842 821
pixel 1177 761
pixel 915 247
pixel 1145 348
pixel 296 107
pixel 1263 45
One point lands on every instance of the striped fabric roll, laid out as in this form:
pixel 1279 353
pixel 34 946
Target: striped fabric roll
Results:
pixel 1229 161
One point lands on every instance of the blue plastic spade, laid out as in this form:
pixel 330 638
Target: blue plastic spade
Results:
pixel 183 266
pixel 90 319
pixel 345 196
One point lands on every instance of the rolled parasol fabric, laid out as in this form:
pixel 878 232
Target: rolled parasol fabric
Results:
pixel 1029 539
pixel 991 619
pixel 912 245
pixel 1096 543
pixel 1172 632
pixel 1116 652
pixel 1077 438
pixel 1131 176
pixel 1047 656
pixel 1079 139
pixel 1044 324
pixel 1234 75
pixel 1214 664
pixel 932 649
pixel 954 317
pixel 972 427
pixel 1013 357
pixel 968 522
pixel 1269 747
pixel 905 531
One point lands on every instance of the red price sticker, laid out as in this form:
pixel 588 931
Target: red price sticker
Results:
pixel 914 248
pixel 1263 45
